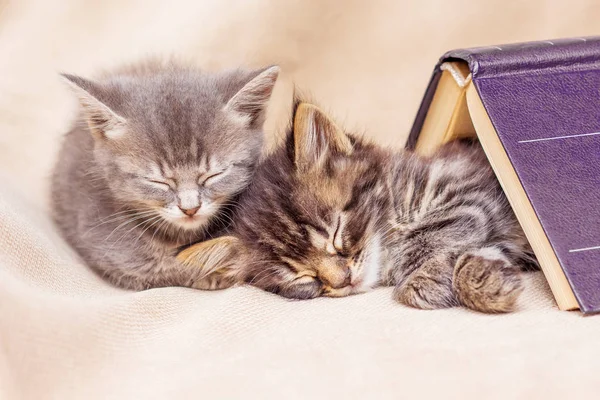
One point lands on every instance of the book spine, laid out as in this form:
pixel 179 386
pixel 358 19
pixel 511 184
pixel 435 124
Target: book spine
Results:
pixel 573 54
pixel 519 58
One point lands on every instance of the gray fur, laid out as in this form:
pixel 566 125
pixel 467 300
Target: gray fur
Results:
pixel 152 143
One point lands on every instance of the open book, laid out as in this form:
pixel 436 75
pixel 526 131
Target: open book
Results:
pixel 535 108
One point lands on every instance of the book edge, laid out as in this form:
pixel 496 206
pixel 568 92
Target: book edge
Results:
pixel 530 57
pixel 437 116
pixel 423 109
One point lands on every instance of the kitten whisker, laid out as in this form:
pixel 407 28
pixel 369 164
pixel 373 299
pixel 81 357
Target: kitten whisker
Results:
pixel 144 221
pixel 125 214
pixel 127 221
pixel 158 229
pixel 228 220
pixel 156 219
pixel 269 272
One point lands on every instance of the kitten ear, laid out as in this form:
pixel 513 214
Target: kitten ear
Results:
pixel 102 121
pixel 316 136
pixel 251 101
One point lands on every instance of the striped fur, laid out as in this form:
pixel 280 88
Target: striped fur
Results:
pixel 331 216
pixel 452 237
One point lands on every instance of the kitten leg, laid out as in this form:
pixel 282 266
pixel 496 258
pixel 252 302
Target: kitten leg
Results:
pixel 216 261
pixel 485 280
pixel 428 287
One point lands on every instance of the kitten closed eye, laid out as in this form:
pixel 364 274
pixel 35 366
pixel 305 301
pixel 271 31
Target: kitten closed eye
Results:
pixel 205 181
pixel 162 185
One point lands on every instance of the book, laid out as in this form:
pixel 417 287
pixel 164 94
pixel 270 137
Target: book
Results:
pixel 535 109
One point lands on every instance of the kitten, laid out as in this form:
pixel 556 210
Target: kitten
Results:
pixel 157 158
pixel 331 215
pixel 313 207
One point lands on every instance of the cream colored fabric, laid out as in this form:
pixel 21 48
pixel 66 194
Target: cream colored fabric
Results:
pixel 65 334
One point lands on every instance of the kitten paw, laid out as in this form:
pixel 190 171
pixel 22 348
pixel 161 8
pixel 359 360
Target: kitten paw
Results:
pixel 486 281
pixel 342 292
pixel 428 288
pixel 215 261
pixel 215 281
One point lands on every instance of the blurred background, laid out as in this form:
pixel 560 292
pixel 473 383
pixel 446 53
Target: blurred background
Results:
pixel 367 62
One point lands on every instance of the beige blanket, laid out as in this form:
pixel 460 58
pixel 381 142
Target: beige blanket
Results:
pixel 65 334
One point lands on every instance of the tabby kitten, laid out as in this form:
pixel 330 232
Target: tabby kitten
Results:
pixel 331 215
pixel 158 155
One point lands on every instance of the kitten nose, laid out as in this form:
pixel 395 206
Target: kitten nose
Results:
pixel 339 280
pixel 190 212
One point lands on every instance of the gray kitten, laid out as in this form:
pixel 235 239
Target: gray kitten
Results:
pixel 155 162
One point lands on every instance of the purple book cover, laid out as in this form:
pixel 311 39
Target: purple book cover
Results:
pixel 543 99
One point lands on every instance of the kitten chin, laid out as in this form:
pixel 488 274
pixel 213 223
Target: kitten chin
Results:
pixel 371 267
pixel 157 160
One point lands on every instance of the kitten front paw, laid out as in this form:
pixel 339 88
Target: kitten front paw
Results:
pixel 341 292
pixel 428 288
pixel 486 281
pixel 215 281
pixel 423 293
pixel 216 262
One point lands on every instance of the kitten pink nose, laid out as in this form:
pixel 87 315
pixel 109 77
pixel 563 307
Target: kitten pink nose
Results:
pixel 190 212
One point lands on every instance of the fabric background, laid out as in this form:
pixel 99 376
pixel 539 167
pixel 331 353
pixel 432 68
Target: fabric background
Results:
pixel 65 334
